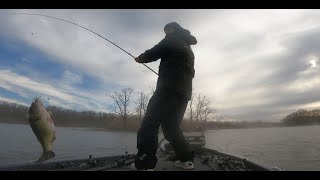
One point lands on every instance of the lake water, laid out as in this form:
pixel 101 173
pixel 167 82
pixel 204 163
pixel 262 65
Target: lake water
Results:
pixel 290 148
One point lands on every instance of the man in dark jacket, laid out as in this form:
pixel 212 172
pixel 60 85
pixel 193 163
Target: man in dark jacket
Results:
pixel 169 102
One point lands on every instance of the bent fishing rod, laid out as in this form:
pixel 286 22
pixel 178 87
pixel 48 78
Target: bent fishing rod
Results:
pixel 87 30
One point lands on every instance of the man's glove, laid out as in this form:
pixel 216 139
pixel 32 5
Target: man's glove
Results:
pixel 137 59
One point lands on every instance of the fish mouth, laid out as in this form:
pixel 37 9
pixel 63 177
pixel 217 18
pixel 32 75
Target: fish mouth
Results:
pixel 35 106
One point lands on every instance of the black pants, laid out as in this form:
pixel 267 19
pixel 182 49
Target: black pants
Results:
pixel 167 110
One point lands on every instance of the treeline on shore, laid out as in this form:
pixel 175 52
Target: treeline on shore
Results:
pixel 16 114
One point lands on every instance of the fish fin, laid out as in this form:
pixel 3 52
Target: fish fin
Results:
pixel 50 113
pixel 49 119
pixel 46 156
pixel 54 138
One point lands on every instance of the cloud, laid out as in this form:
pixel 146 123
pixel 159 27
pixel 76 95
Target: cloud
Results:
pixel 251 68
pixel 71 78
pixel 66 96
pixel 13 101
pixel 254 64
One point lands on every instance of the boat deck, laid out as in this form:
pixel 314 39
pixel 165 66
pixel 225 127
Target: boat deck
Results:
pixel 165 165
pixel 205 160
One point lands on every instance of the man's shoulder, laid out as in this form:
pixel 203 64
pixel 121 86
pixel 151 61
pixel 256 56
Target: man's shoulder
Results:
pixel 172 41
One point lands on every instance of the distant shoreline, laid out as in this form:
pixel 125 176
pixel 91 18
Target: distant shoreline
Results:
pixel 11 113
pixel 63 126
pixel 112 130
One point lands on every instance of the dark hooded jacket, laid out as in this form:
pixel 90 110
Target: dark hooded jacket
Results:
pixel 176 69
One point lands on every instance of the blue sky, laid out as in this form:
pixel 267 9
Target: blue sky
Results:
pixel 253 64
pixel 22 61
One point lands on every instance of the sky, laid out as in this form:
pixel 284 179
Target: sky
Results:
pixel 254 64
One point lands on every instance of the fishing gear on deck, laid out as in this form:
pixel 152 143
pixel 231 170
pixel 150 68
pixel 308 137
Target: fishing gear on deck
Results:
pixel 87 30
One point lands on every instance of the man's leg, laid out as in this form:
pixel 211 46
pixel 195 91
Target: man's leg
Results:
pixel 147 137
pixel 172 131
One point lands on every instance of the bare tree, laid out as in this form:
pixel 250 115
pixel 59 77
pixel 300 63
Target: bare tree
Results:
pixel 191 107
pixel 218 118
pixel 207 111
pixel 122 101
pixel 203 108
pixel 142 103
pixel 200 109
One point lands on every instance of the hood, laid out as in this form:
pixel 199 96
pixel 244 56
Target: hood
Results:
pixel 182 33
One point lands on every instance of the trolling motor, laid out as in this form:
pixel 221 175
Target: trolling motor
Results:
pixel 195 139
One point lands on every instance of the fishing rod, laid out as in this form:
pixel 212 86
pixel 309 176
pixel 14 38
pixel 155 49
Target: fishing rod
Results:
pixel 87 30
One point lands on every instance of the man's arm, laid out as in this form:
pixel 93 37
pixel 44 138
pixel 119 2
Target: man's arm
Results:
pixel 152 54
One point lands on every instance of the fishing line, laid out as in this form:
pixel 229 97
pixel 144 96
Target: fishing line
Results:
pixel 89 31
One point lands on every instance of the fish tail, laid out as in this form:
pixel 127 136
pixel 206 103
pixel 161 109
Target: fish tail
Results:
pixel 46 156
